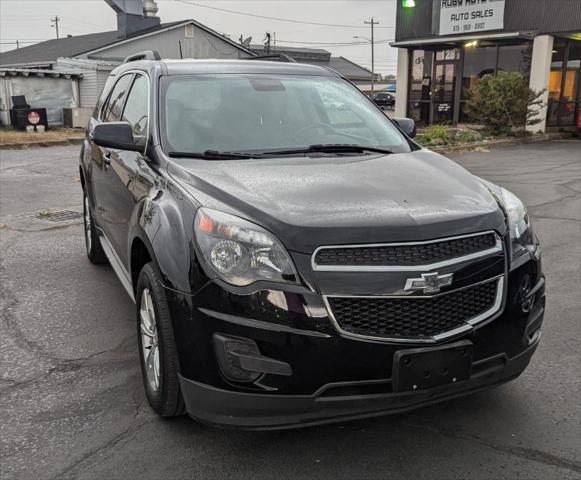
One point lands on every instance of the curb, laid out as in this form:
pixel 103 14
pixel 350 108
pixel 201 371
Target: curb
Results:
pixel 467 147
pixel 54 143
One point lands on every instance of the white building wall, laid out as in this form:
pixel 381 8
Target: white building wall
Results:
pixel 539 78
pixel 200 45
pixel 401 96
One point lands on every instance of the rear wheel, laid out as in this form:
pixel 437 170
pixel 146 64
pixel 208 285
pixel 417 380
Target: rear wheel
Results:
pixel 93 246
pixel 157 350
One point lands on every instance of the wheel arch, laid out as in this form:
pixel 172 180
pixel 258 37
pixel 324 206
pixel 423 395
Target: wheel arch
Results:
pixel 157 233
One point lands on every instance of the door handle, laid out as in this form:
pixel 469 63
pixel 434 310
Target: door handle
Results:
pixel 107 158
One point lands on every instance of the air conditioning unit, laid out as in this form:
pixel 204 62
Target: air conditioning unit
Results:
pixel 77 117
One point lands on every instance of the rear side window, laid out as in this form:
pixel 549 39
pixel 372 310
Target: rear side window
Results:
pixel 136 106
pixel 104 95
pixel 114 106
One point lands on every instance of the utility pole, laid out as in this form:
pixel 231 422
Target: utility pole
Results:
pixel 55 23
pixel 372 23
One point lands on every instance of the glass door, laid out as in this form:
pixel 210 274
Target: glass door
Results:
pixel 443 98
pixel 444 85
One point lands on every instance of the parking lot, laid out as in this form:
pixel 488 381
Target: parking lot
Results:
pixel 72 404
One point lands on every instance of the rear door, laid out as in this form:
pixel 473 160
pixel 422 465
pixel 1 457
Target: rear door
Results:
pixel 106 190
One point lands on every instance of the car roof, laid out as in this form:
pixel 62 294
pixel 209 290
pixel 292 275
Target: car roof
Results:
pixel 199 67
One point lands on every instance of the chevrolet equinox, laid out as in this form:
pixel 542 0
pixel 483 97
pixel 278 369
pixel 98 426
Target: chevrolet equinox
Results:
pixel 294 256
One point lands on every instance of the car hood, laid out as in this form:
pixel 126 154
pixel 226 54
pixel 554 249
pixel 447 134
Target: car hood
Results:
pixel 308 202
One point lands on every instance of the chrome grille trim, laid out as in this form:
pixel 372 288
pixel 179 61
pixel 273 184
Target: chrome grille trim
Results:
pixel 406 268
pixel 469 324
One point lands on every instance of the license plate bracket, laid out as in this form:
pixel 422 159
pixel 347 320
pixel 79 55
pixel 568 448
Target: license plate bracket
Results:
pixel 422 368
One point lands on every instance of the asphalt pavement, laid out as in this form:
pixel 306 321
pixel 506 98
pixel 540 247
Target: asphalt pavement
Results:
pixel 72 404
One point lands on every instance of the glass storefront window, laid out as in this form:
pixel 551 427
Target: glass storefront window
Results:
pixel 574 60
pixel 555 85
pixel 421 75
pixel 515 58
pixel 450 54
pixel 564 79
pixel 420 85
pixel 478 61
pixel 558 57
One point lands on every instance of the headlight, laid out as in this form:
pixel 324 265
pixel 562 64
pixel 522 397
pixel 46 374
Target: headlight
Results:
pixel 239 251
pixel 521 232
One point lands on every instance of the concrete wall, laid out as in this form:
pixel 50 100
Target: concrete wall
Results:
pixel 201 45
pixel 51 93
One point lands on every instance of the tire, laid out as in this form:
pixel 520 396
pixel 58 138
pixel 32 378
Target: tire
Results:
pixel 155 334
pixel 95 252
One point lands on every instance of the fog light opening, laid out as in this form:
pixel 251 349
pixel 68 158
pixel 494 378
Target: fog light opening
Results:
pixel 534 337
pixel 527 301
pixel 240 360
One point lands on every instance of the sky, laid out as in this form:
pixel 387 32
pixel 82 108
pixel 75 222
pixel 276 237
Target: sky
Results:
pixel 30 21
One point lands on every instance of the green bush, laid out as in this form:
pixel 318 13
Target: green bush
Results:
pixel 502 102
pixel 467 136
pixel 434 135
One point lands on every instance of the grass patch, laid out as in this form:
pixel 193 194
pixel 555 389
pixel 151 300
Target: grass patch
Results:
pixel 434 135
pixel 10 136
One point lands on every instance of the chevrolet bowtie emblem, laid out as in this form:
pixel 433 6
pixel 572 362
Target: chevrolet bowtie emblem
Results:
pixel 429 283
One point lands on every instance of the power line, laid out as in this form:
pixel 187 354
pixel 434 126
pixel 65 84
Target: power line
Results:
pixel 288 20
pixel 377 42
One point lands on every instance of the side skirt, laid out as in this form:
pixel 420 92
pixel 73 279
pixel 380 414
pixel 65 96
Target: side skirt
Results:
pixel 118 267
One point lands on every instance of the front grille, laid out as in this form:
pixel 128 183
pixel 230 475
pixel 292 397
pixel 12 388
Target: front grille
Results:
pixel 405 254
pixel 415 317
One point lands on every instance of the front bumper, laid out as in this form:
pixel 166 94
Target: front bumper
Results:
pixel 263 411
pixel 334 378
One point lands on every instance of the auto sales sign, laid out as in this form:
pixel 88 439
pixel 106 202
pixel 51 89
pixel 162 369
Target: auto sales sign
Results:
pixel 470 16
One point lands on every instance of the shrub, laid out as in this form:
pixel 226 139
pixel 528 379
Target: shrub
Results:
pixel 467 136
pixel 434 135
pixel 503 101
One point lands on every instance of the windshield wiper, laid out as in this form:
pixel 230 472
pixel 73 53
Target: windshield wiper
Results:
pixel 214 155
pixel 329 148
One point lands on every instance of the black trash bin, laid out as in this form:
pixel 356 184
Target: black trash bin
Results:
pixel 22 115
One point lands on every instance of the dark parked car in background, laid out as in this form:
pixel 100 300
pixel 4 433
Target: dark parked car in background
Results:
pixel 294 256
pixel 383 99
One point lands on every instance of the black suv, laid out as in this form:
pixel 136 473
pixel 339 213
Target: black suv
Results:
pixel 293 255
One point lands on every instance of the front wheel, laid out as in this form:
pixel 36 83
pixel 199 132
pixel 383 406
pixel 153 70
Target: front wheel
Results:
pixel 157 350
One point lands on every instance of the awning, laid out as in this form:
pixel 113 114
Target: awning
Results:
pixel 36 72
pixel 464 38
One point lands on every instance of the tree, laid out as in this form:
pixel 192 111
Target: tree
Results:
pixel 503 101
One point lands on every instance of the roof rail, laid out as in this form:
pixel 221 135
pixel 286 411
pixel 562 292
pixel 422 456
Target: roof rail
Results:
pixel 273 57
pixel 147 55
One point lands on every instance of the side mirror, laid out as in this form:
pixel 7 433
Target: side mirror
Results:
pixel 118 136
pixel 407 125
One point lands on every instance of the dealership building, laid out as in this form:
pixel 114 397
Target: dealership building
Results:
pixel 446 46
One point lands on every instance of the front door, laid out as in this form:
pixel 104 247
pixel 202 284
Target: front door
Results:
pixel 103 158
pixel 124 168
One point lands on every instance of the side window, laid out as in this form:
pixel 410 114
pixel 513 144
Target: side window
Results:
pixel 112 110
pixel 104 96
pixel 136 110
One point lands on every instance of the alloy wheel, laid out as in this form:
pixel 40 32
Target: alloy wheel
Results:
pixel 149 340
pixel 88 223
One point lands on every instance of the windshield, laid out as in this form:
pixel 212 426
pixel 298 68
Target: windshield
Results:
pixel 258 113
